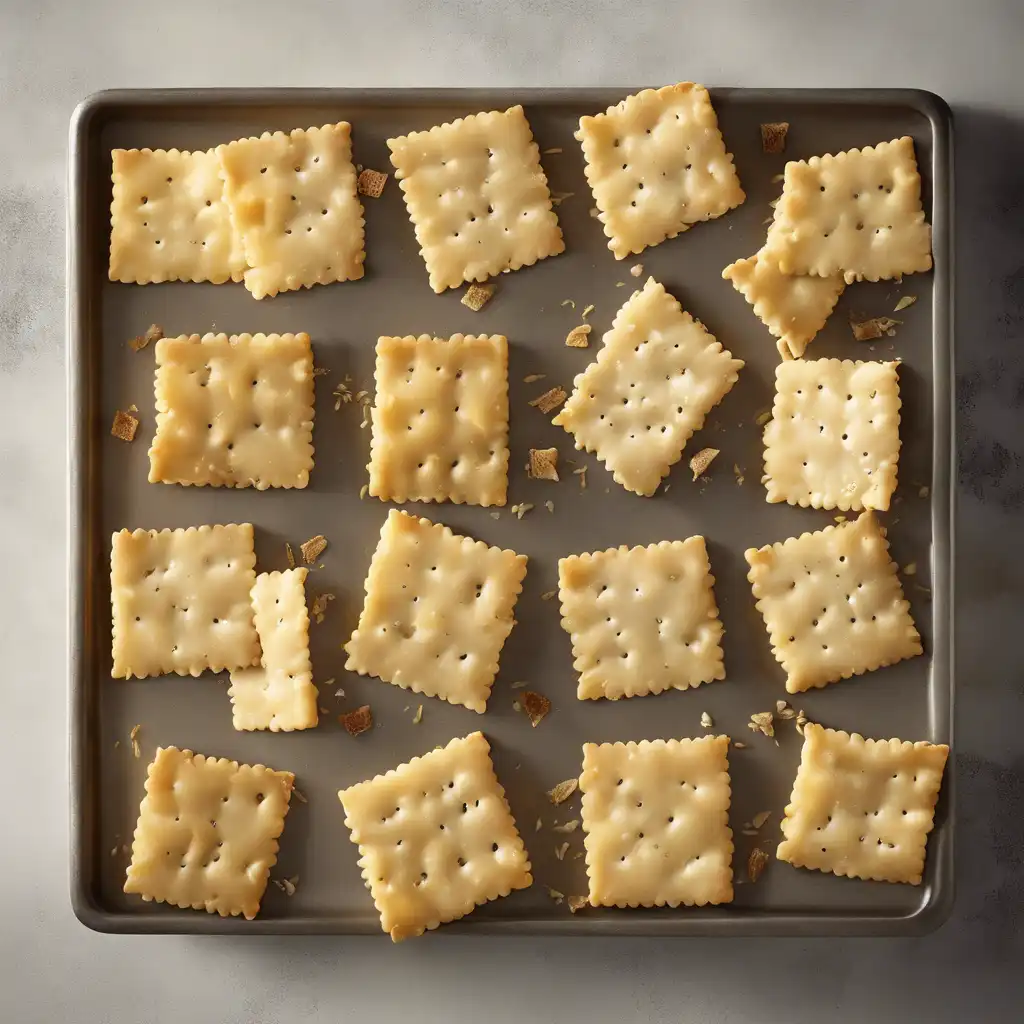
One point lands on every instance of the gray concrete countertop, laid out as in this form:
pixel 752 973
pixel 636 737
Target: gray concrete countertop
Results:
pixel 52 54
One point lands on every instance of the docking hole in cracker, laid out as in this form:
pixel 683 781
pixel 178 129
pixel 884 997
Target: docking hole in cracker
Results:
pixel 233 411
pixel 656 376
pixel 862 808
pixel 440 420
pixel 477 197
pixel 656 818
pixel 436 838
pixel 832 603
pixel 207 835
pixel 642 620
pixel 437 612
pixel 657 164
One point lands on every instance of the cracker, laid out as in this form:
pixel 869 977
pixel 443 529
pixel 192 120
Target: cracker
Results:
pixel 279 695
pixel 793 309
pixel 656 163
pixel 543 464
pixel 207 832
pixel 477 196
pixel 657 375
pixel 436 838
pixel 833 440
pixel 656 818
pixel 437 612
pixel 293 202
pixel 371 183
pixel 642 619
pixel 856 213
pixel 832 603
pixel 862 808
pixel 440 420
pixel 233 411
pixel 169 221
pixel 180 601
pixel 124 426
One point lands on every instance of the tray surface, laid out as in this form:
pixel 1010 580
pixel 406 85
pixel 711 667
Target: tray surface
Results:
pixel 109 491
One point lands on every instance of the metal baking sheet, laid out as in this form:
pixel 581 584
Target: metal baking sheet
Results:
pixel 108 491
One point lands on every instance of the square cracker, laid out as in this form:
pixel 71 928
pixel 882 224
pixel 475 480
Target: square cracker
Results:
pixel 857 214
pixel 657 375
pixel 832 603
pixel 279 695
pixel 834 437
pixel 440 420
pixel 233 412
pixel 293 202
pixel 862 808
pixel 642 620
pixel 477 196
pixel 656 163
pixel 180 601
pixel 793 309
pixel 438 610
pixel 656 818
pixel 207 832
pixel 169 221
pixel 436 838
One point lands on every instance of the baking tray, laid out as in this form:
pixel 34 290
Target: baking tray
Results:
pixel 108 491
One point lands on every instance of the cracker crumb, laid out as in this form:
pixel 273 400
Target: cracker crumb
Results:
pixel 518 685
pixel 801 721
pixel 738 473
pixel 557 198
pixel 924 491
pixel 418 717
pixel 543 464
pixel 134 737
pixel 549 505
pixel 560 793
pixel 567 826
pixel 706 720
pixel 313 548
pixel 702 460
pixel 536 706
pixel 784 711
pixel 531 378
pixel 762 722
pixel 756 863
pixel 773 136
pixel 577 337
pixel 551 151
pixel 637 269
pixel 320 603
pixel 153 333
pixel 548 595
pixel 910 569
pixel 763 418
pixel 113 852
pixel 568 302
pixel 298 795
pixel 777 178
pixel 557 896
pixel 287 885
pixel 550 400
pixel 560 851
pixel 907 300
pixel 620 284
pixel 133 407
pixel 739 745
pixel 117 743
pixel 340 691
pixel 364 491
pixel 495 515
pixel 587 310
pixel 538 826
pixel 342 395
pixel 875 327
pixel 371 183
pixel 367 414
pixel 582 474
pixel 320 371
pixel 477 296
pixel 595 212
pixel 124 426
pixel 289 554
pixel 577 903
pixel 760 818
pixel 749 831
pixel 520 510
pixel 358 721
pixel 839 519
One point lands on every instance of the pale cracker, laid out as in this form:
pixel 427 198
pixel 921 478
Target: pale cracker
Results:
pixel 207 832
pixel 169 221
pixel 180 600
pixel 862 808
pixel 440 420
pixel 856 213
pixel 657 375
pixel 833 440
pixel 656 818
pixel 656 163
pixel 793 309
pixel 436 838
pixel 832 603
pixel 642 619
pixel 279 695
pixel 477 196
pixel 293 202
pixel 233 412
pixel 437 612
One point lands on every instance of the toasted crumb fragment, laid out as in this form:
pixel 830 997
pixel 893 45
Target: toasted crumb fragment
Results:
pixel 154 333
pixel 358 721
pixel 313 548
pixel 910 569
pixel 536 706
pixel 582 474
pixel 552 151
pixel 637 269
pixel 289 554
pixel 762 722
pixel 548 595
pixel 577 337
pixel 924 491
pixel 801 721
pixel 587 310
pixel 557 896
pixel 560 851
pixel 134 737
pixel 549 505
pixel 560 793
pixel 739 745
pixel 568 302
pixel 700 462
pixel 418 717
pixel 763 418
pixel 299 796
pixel 738 473
pixel 544 463
pixel 477 296
pixel 371 183
pixel 706 720
pixel 320 371
pixel 531 377
pixel 907 300
pixel 550 400
pixel 557 198
pixel 773 136
pixel 538 826
pixel 869 330
pixel 577 903
pixel 784 711
pixel 760 818
pixel 342 394
pixel 320 603
pixel 756 863
pixel 520 510
pixel 567 826
pixel 125 425
pixel 287 885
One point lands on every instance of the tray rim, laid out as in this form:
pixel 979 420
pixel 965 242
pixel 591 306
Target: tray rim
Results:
pixel 938 904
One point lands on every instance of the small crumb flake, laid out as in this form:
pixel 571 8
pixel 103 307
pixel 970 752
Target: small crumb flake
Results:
pixel 548 595
pixel 784 711
pixel 582 474
pixel 477 296
pixel 568 302
pixel 637 269
pixel 536 706
pixel 620 284
pixel 320 371
pixel 552 151
pixel 801 721
pixel 763 418
pixel 358 721
pixel 773 136
pixel 738 473
pixel 538 826
pixel 124 426
pixel 577 903
pixel 532 378
pixel 910 569
pixel 364 491
pixel 706 721
pixel 313 548
pixel 518 685
pixel 340 691
pixel 839 519
pixel 550 400
pixel 702 460
pixel 289 554
pixel 924 491
pixel 587 310
pixel 577 337
pixel 320 603
pixel 418 717
pixel 298 795
pixel 756 863
pixel 875 327
pixel 739 745
pixel 371 183
pixel 907 300
pixel 495 515
pixel 567 826
pixel 557 896
pixel 760 818
pixel 560 793
pixel 520 510
pixel 777 178
pixel 549 505
pixel 543 464
pixel 342 394
pixel 762 722
pixel 561 851
pixel 134 737
pixel 557 198
pixel 154 333
pixel 287 885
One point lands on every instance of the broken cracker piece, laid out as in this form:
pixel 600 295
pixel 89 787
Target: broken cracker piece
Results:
pixel 637 269
pixel 550 400
pixel 371 183
pixel 313 548
pixel 154 333
pixel 706 720
pixel 756 863
pixel 577 337
pixel 773 136
pixel 125 425
pixel 566 827
pixel 543 464
pixel 762 722
pixel 358 721
pixel 560 793
pixel 907 300
pixel 477 296
pixel 319 608
pixel 875 327
pixel 702 460
pixel 536 706
pixel 577 903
